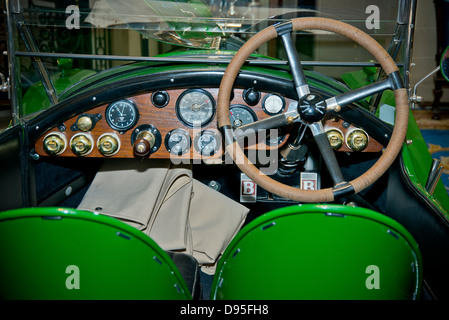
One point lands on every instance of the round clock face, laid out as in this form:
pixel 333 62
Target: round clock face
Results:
pixel 122 115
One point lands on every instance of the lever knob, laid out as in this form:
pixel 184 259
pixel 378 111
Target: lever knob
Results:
pixel 145 141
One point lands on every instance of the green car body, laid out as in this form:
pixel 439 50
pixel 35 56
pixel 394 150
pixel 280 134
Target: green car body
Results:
pixel 415 154
pixel 339 251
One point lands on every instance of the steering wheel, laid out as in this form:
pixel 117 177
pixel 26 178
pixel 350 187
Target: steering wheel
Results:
pixel 312 108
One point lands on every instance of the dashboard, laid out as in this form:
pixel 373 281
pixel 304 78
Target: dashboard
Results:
pixel 181 123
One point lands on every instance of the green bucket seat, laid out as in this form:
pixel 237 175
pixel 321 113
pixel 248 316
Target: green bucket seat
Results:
pixel 320 252
pixel 55 253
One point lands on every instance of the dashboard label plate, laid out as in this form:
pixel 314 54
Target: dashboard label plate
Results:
pixel 248 189
pixel 309 181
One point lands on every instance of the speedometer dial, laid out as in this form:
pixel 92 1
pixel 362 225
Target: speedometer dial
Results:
pixel 195 107
pixel 122 115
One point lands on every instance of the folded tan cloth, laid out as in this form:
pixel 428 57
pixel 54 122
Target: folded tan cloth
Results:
pixel 165 202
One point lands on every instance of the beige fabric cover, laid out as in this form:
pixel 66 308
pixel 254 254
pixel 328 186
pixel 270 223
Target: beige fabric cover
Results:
pixel 165 202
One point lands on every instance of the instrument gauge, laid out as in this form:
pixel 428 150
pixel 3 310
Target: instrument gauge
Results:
pixel 207 143
pixel 273 104
pixel 178 142
pixel 122 115
pixel 195 107
pixel 241 115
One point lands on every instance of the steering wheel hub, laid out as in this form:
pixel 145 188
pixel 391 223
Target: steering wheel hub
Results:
pixel 311 108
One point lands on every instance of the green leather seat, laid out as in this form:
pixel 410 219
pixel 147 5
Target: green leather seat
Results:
pixel 320 252
pixel 55 253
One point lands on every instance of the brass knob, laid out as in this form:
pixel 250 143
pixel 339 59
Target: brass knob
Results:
pixel 81 144
pixel 108 144
pixel 335 138
pixel 84 123
pixel 357 140
pixel 55 143
pixel 145 140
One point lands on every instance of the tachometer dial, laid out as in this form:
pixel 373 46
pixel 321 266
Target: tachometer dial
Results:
pixel 273 104
pixel 178 142
pixel 195 107
pixel 122 115
pixel 241 115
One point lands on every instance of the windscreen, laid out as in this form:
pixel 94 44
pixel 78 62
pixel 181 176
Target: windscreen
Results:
pixel 79 41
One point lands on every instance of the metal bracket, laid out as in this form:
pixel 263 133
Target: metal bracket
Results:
pixel 435 172
pixel 414 98
pixel 5 83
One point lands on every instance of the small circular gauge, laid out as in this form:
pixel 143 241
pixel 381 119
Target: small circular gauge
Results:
pixel 195 107
pixel 207 142
pixel 273 104
pixel 122 115
pixel 241 115
pixel 178 142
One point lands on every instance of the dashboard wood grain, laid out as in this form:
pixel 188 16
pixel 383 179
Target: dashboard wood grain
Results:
pixel 165 120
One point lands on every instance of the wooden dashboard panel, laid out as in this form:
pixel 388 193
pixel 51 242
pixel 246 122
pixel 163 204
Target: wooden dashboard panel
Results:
pixel 165 119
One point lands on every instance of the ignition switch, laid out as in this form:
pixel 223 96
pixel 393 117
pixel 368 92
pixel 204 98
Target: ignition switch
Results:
pixel 146 139
pixel 143 144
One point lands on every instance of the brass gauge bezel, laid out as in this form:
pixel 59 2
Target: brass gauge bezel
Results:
pixel 349 135
pixel 115 137
pixel 91 145
pixel 342 137
pixel 59 135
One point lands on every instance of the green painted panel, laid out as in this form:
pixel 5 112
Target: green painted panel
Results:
pixel 54 253
pixel 320 252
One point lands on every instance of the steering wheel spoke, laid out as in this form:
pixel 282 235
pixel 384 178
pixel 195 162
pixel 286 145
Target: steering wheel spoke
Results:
pixel 272 122
pixel 327 153
pixel 284 30
pixel 335 103
pixel 311 109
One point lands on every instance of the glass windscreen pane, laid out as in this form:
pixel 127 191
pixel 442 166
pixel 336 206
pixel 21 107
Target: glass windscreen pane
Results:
pixel 150 28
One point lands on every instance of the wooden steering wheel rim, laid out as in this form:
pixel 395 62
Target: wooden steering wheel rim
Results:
pixel 323 195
